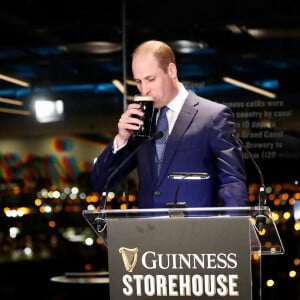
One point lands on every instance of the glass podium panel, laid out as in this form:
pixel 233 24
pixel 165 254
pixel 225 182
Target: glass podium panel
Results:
pixel 264 236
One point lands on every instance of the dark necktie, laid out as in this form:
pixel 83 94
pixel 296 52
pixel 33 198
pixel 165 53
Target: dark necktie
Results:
pixel 162 125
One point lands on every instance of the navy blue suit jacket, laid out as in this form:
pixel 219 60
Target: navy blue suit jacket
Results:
pixel 197 144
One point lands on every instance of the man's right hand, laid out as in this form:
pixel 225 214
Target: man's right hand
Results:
pixel 128 123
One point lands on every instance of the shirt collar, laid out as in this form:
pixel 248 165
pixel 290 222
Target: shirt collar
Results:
pixel 177 103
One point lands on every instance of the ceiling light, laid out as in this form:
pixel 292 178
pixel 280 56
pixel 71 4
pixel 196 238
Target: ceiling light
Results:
pixel 100 47
pixel 131 82
pixel 48 111
pixel 11 101
pixel 234 28
pixel 117 83
pixel 263 33
pixel 283 33
pixel 14 80
pixel 186 46
pixel 15 111
pixel 249 87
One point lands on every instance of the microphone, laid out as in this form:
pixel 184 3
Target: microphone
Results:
pixel 157 135
pixel 260 218
pixel 100 221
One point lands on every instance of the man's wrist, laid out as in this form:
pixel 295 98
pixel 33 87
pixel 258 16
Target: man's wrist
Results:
pixel 118 144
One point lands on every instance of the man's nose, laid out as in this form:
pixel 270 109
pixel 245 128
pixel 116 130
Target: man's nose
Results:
pixel 145 89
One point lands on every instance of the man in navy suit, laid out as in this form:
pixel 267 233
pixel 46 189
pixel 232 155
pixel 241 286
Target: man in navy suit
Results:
pixel 197 142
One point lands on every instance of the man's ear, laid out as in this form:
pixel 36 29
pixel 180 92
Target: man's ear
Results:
pixel 172 70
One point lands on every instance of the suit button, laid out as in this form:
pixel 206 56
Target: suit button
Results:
pixel 157 193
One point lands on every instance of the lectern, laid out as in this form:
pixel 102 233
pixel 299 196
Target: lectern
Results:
pixel 191 253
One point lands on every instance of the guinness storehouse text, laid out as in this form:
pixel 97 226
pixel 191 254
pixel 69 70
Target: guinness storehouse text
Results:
pixel 201 276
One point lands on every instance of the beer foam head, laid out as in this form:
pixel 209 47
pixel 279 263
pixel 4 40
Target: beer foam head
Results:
pixel 142 98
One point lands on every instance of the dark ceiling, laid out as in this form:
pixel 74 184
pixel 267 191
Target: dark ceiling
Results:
pixel 43 42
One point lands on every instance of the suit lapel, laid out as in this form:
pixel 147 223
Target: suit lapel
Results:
pixel 183 122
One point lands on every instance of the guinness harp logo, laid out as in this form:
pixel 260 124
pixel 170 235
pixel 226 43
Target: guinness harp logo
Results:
pixel 129 257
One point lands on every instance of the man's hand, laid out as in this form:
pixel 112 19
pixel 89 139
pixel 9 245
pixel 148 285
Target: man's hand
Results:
pixel 128 123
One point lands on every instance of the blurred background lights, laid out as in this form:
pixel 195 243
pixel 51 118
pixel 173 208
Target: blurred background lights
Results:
pixel 89 241
pixel 48 111
pixel 292 273
pixel 270 283
pixel 13 232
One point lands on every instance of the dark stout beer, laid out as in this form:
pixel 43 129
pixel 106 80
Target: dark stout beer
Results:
pixel 147 107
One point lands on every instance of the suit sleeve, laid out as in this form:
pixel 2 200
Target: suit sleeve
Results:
pixel 106 163
pixel 228 155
